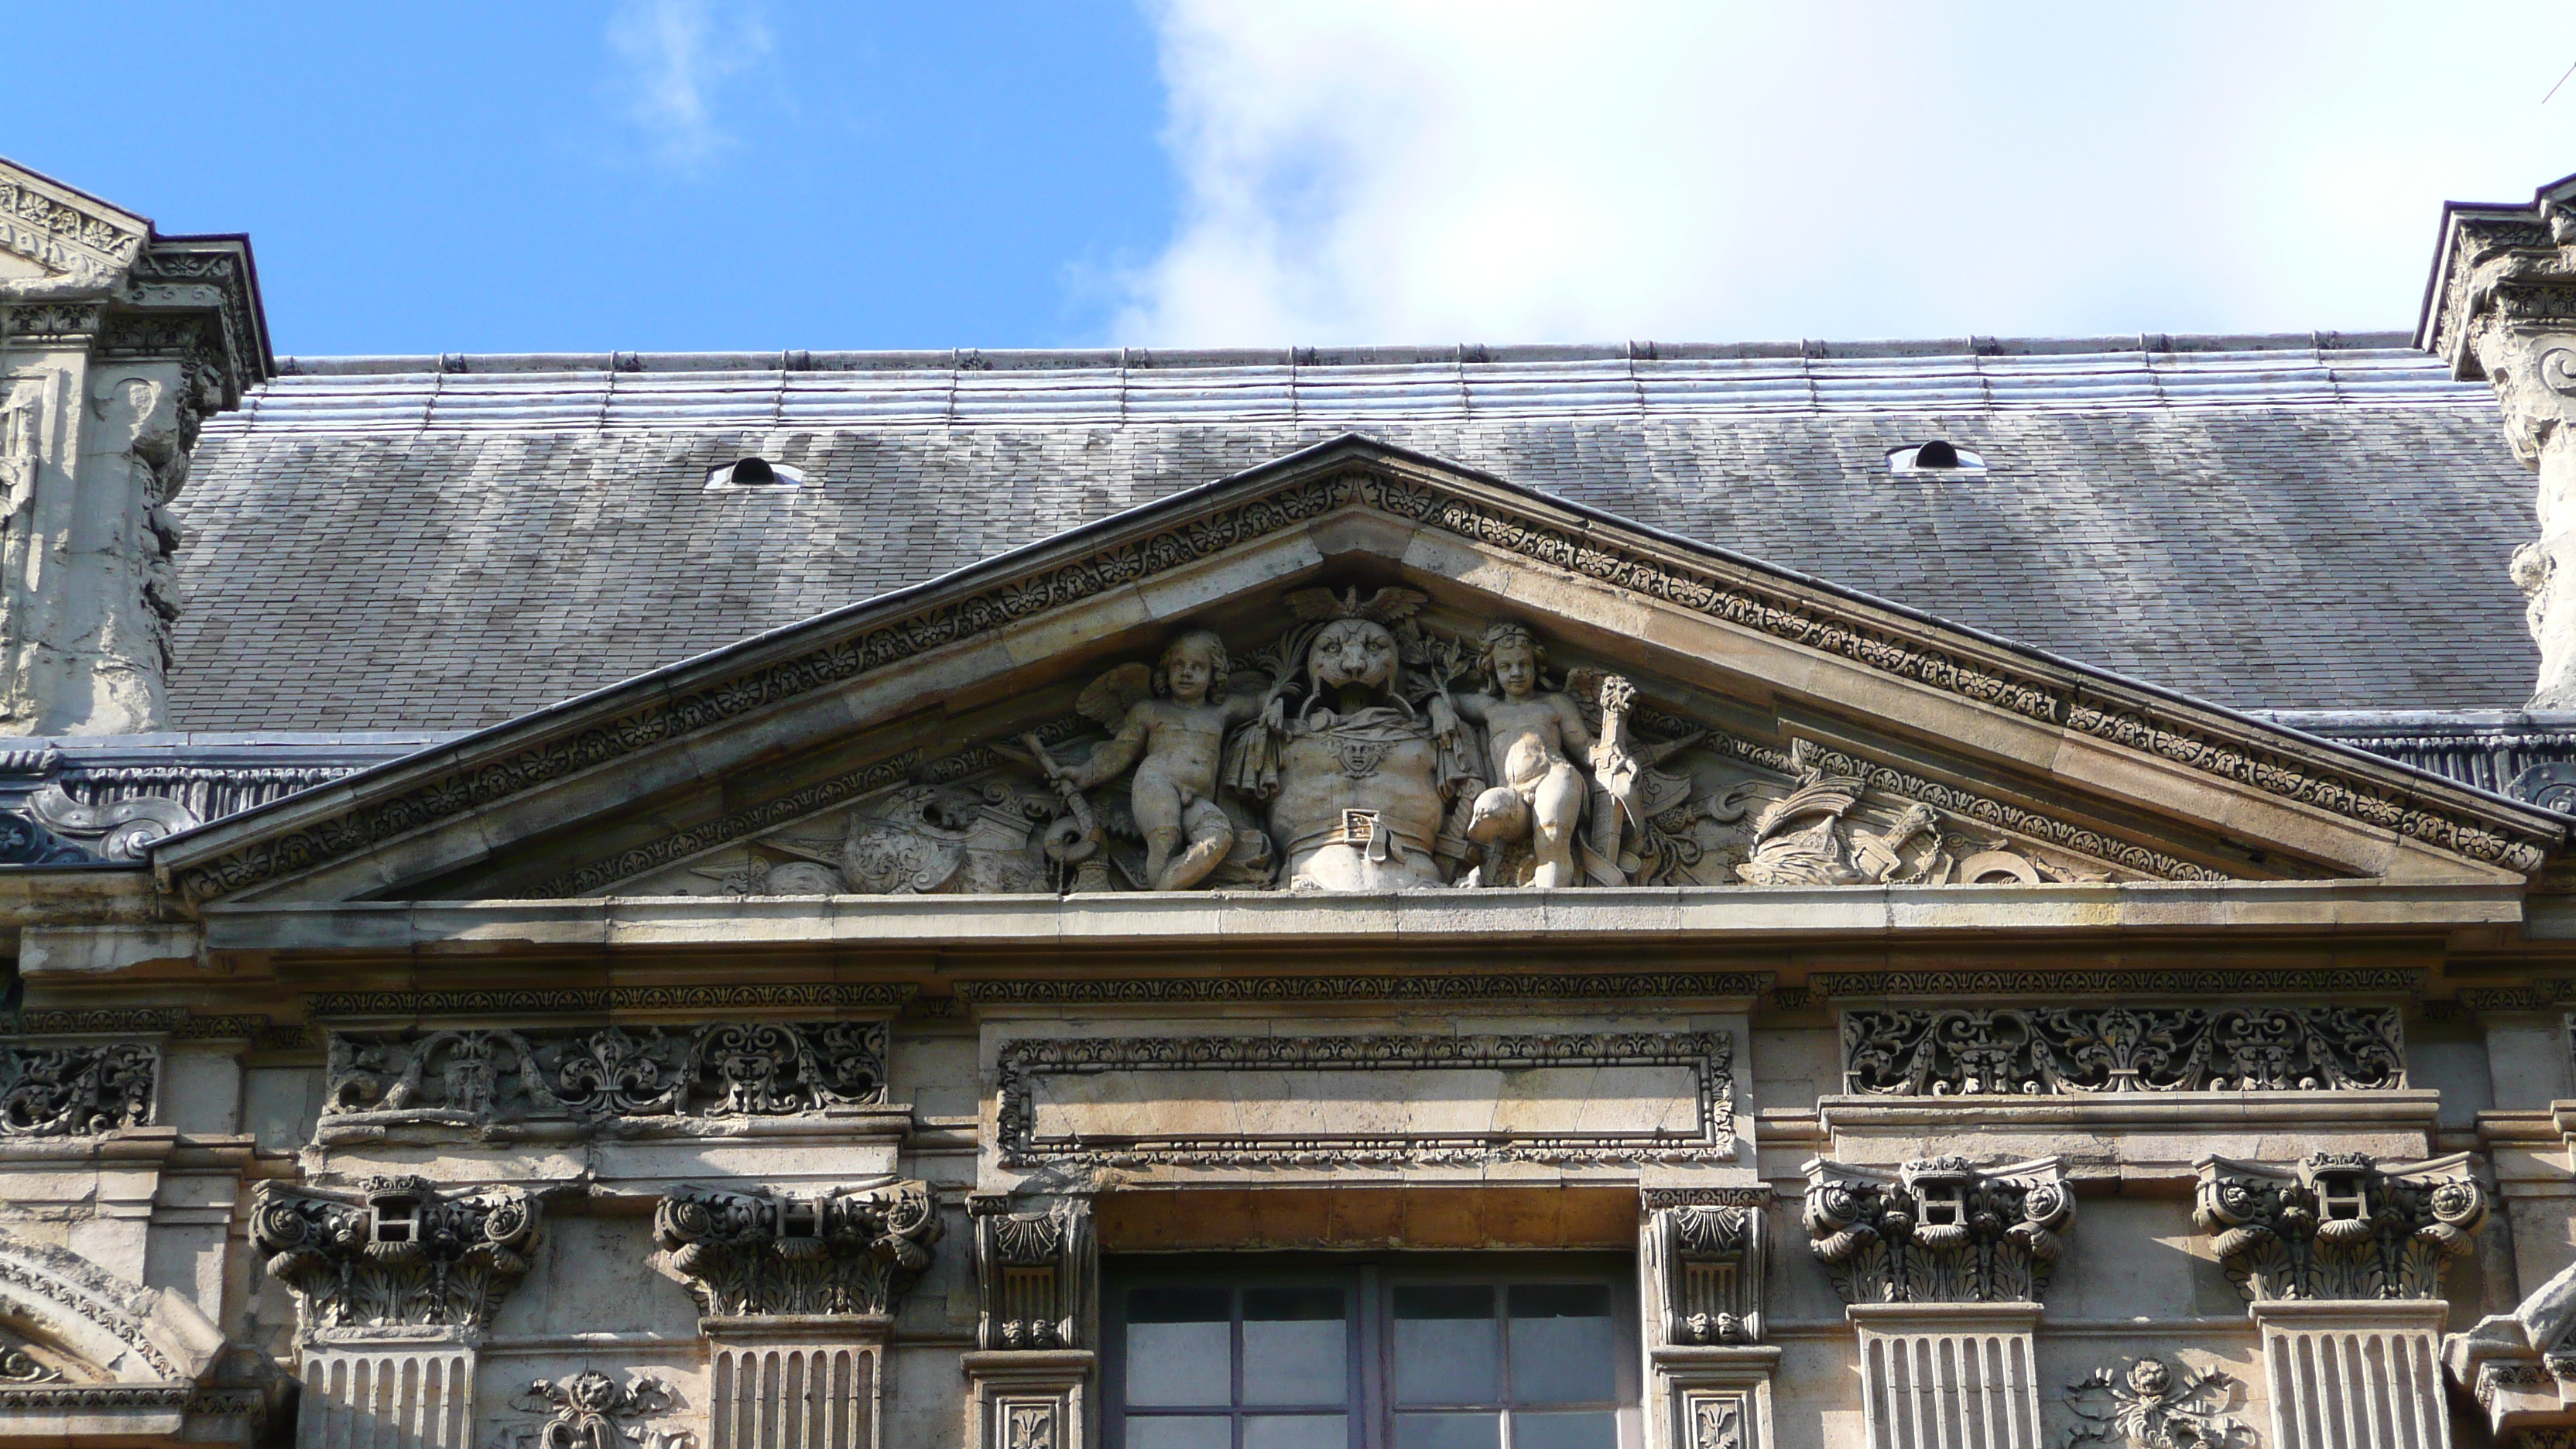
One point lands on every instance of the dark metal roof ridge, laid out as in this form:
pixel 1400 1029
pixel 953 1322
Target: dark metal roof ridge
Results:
pixel 967 359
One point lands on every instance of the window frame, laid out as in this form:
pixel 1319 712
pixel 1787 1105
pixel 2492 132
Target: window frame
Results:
pixel 1368 1281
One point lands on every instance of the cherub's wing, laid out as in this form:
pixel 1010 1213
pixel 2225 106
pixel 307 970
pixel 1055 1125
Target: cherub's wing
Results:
pixel 1113 694
pixel 1314 605
pixel 1583 685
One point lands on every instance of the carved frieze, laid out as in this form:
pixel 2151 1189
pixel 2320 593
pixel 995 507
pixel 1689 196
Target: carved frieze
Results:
pixel 396 1251
pixel 752 1253
pixel 2339 1225
pixel 1939 1230
pixel 76 1091
pixel 1706 1262
pixel 1684 1114
pixel 474 1077
pixel 2148 1405
pixel 590 1410
pixel 2047 1051
pixel 1033 1274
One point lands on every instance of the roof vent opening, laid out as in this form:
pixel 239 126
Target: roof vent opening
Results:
pixel 753 474
pixel 1937 456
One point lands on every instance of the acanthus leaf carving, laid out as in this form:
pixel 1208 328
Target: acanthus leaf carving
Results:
pixel 2339 1225
pixel 396 1251
pixel 1939 1230
pixel 76 1091
pixel 753 1253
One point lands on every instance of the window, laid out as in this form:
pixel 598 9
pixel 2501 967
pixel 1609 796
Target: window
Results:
pixel 753 474
pixel 1393 1353
pixel 1937 456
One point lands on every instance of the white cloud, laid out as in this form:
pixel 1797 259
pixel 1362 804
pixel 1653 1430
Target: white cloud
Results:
pixel 673 58
pixel 1423 171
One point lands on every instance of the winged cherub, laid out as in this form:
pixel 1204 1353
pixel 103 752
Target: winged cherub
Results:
pixel 1531 734
pixel 1181 738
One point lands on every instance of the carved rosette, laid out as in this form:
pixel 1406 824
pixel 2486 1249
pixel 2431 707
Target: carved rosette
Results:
pixel 1939 1230
pixel 398 1251
pixel 2339 1225
pixel 1706 1262
pixel 76 1091
pixel 1034 1274
pixel 750 1254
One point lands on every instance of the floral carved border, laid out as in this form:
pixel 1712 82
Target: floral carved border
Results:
pixel 1736 596
pixel 1023 1064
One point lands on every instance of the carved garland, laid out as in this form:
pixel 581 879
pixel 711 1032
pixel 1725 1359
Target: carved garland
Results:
pixel 1818 624
pixel 1021 1065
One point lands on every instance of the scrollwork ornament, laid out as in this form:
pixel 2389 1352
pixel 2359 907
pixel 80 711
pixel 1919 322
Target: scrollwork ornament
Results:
pixel 76 1091
pixel 2053 1051
pixel 397 1251
pixel 590 1410
pixel 2148 1406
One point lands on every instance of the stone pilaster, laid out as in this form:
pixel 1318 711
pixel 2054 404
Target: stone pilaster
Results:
pixel 1942 1265
pixel 2341 1257
pixel 796 1296
pixel 395 1284
pixel 2503 308
pixel 115 343
pixel 1037 1282
pixel 1702 1254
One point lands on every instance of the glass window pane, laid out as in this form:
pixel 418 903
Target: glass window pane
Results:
pixel 1448 1431
pixel 1296 1431
pixel 1180 1431
pixel 1597 1430
pixel 1445 1345
pixel 1179 1346
pixel 1562 1344
pixel 1296 1346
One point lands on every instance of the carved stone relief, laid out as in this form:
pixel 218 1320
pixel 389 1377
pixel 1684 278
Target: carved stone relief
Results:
pixel 1366 749
pixel 753 1253
pixel 1033 1275
pixel 76 1091
pixel 2339 1225
pixel 1706 1261
pixel 2036 1051
pixel 479 1077
pixel 1939 1230
pixel 1614 1097
pixel 590 1410
pixel 2148 1405
pixel 395 1251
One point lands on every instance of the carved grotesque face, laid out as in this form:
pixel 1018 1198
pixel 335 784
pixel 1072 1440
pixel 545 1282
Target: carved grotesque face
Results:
pixel 1515 668
pixel 2149 1379
pixel 1353 651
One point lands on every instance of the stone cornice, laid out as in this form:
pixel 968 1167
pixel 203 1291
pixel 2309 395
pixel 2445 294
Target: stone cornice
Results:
pixel 1410 988
pixel 369 810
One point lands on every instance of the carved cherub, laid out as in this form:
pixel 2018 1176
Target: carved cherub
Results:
pixel 1531 733
pixel 1181 738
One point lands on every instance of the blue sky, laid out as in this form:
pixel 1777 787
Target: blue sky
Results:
pixel 757 174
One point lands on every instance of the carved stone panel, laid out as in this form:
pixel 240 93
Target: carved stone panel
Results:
pixel 2339 1225
pixel 2028 1051
pixel 474 1078
pixel 1939 1230
pixel 1034 1275
pixel 1706 1264
pixel 1390 1101
pixel 395 1253
pixel 76 1091
pixel 756 1254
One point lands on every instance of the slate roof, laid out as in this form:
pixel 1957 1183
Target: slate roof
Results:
pixel 2314 522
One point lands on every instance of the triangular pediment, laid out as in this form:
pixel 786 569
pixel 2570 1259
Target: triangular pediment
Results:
pixel 1769 729
pixel 48 229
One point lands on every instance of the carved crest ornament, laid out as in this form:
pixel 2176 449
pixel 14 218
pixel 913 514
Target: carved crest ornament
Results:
pixel 1367 748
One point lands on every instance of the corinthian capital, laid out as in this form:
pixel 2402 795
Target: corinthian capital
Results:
pixel 1939 1230
pixel 2339 1225
pixel 752 1253
pixel 396 1252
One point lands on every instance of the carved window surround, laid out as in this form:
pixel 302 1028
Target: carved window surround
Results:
pixel 1025 1068
pixel 1710 1376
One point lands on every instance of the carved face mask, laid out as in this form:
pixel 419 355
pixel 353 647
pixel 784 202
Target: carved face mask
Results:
pixel 1353 651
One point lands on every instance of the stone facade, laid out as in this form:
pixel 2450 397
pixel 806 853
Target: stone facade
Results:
pixel 1235 973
